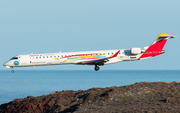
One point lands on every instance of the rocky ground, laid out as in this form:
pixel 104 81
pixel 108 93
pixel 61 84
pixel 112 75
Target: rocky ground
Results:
pixel 144 97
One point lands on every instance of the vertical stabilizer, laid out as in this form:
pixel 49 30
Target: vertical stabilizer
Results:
pixel 157 46
pixel 159 43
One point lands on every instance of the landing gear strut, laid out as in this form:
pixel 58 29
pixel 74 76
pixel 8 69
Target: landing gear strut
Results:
pixel 96 68
pixel 12 70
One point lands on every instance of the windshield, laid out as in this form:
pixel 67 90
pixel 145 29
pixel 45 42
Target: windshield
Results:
pixel 14 58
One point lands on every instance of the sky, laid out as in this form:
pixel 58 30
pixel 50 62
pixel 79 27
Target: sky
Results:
pixel 45 26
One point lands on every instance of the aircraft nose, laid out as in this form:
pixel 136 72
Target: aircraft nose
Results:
pixel 8 63
pixel 5 64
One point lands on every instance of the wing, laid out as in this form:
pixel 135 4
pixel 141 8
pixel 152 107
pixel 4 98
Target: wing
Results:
pixel 100 61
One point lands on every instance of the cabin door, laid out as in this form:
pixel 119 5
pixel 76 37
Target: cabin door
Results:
pixel 24 59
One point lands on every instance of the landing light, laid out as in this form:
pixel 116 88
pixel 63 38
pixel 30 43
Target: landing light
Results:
pixel 7 66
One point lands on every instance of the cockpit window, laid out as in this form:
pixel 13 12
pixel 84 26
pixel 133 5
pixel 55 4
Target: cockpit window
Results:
pixel 13 58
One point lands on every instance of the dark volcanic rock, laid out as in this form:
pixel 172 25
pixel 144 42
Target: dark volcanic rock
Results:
pixel 144 97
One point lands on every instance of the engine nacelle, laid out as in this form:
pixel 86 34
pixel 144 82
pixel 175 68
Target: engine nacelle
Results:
pixel 136 51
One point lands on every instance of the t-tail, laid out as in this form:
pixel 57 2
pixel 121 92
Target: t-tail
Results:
pixel 157 47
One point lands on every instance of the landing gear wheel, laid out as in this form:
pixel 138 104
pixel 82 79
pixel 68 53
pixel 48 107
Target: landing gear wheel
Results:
pixel 96 68
pixel 12 70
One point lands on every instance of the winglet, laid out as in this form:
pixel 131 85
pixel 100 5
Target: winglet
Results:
pixel 115 55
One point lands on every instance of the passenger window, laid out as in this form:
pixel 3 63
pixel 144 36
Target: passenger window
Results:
pixel 43 56
pixel 36 57
pixel 47 56
pixel 50 56
pixel 54 56
pixel 39 57
pixel 58 56
pixel 61 55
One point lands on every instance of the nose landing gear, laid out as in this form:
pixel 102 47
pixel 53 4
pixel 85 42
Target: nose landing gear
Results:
pixel 12 70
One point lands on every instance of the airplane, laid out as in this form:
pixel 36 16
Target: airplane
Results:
pixel 96 58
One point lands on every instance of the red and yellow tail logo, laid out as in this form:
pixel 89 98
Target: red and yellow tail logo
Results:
pixel 157 46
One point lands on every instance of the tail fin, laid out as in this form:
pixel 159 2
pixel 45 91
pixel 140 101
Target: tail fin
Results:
pixel 159 43
pixel 157 46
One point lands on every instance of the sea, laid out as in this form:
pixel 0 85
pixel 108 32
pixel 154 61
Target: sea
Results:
pixel 23 83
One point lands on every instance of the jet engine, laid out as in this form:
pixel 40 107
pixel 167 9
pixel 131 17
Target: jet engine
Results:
pixel 136 51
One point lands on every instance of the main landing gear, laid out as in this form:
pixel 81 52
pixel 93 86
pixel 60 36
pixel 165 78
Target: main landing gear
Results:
pixel 96 68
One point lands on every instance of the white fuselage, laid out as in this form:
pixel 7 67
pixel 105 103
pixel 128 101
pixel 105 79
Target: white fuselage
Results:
pixel 70 58
pixel 97 58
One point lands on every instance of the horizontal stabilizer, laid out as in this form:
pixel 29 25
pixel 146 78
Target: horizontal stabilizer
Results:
pixel 162 37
